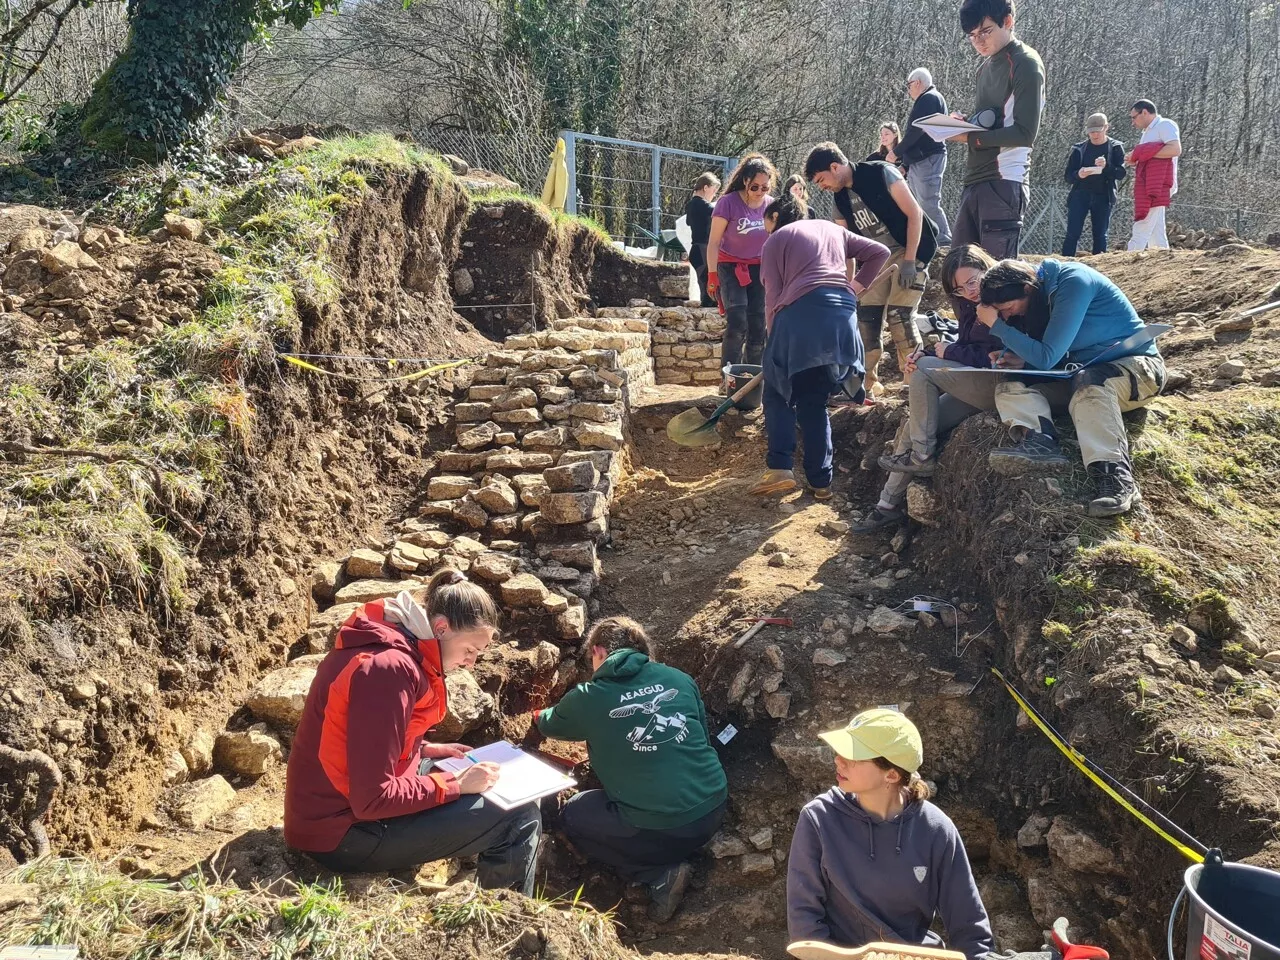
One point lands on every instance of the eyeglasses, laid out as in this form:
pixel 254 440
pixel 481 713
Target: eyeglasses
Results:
pixel 976 35
pixel 757 188
pixel 961 288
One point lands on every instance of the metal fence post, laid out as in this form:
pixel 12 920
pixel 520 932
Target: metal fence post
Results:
pixel 655 188
pixel 570 162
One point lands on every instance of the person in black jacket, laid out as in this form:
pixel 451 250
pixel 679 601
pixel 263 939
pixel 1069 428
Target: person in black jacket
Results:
pixel 697 213
pixel 1094 168
pixel 872 200
pixel 924 157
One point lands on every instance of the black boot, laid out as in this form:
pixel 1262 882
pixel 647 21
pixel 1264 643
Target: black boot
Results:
pixel 667 893
pixel 1116 491
pixel 1037 452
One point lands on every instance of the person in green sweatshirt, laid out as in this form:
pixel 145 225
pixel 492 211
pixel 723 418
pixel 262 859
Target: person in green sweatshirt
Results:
pixel 646 731
pixel 1009 99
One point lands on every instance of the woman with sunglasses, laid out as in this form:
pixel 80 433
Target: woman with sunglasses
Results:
pixel 940 398
pixel 733 257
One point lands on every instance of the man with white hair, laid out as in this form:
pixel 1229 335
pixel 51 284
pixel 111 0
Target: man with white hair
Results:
pixel 925 158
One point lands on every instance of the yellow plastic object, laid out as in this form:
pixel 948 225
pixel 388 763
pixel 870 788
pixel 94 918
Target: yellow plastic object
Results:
pixel 556 187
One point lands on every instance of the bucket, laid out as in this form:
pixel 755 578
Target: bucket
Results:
pixel 1233 911
pixel 736 376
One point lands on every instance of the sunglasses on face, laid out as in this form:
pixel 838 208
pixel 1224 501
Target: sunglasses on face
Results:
pixel 756 188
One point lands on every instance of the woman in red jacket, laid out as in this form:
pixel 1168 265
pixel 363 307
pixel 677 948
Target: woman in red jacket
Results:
pixel 360 795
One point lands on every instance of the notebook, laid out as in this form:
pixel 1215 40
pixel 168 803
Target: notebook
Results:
pixel 524 778
pixel 941 127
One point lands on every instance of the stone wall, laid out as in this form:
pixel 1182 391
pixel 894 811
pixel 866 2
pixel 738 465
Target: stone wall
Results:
pixel 686 342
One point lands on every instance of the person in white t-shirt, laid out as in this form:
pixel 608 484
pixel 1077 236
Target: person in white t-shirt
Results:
pixel 1149 228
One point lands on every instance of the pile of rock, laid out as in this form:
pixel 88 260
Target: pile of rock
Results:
pixel 686 342
pixel 82 283
pixel 1184 239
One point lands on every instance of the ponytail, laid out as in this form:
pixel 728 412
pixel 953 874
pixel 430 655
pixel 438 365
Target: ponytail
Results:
pixel 913 783
pixel 790 208
pixel 463 604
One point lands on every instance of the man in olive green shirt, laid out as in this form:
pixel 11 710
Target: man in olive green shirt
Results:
pixel 1009 101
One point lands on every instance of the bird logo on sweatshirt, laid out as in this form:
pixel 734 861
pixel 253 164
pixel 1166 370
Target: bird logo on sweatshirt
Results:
pixel 658 729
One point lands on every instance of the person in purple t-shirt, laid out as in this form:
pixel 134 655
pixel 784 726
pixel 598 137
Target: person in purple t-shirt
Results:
pixel 811 315
pixel 733 257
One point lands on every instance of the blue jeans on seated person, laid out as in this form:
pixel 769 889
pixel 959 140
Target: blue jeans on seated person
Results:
pixel 810 390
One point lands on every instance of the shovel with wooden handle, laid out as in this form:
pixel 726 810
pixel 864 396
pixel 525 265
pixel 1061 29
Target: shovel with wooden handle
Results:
pixel 689 429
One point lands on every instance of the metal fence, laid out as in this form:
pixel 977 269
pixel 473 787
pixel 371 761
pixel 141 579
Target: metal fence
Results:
pixel 634 190
pixel 626 185
pixel 1045 222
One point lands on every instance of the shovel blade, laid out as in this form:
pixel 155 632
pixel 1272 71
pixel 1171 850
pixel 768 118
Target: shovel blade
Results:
pixel 692 429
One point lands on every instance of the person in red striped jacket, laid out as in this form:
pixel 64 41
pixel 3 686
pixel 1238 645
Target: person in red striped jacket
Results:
pixel 360 795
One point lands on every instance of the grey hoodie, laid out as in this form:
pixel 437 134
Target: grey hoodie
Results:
pixel 854 878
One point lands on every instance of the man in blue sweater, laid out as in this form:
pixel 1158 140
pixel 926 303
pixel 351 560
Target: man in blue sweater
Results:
pixel 1082 314
pixel 924 157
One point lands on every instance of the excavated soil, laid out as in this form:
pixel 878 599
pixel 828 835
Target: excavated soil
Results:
pixel 331 468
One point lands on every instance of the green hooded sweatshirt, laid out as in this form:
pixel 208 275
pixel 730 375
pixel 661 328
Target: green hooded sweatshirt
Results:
pixel 646 732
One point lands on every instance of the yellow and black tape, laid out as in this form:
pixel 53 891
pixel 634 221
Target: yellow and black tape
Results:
pixel 404 378
pixel 1100 777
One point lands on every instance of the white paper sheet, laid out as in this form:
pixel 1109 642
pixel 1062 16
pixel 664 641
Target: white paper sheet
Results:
pixel 523 778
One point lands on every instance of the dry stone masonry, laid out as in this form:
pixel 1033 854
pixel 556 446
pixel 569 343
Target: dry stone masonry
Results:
pixel 686 342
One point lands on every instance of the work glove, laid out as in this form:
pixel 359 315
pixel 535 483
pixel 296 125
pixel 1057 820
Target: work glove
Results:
pixel 713 283
pixel 907 271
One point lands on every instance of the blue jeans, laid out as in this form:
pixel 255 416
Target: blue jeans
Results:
pixel 1097 206
pixel 743 340
pixel 924 178
pixel 810 390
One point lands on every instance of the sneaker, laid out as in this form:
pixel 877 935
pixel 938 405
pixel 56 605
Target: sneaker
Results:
pixel 667 893
pixel 1117 493
pixel 774 481
pixel 822 493
pixel 908 462
pixel 1038 452
pixel 879 519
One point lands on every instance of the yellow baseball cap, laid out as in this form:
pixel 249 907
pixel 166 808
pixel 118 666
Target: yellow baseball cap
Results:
pixel 879 733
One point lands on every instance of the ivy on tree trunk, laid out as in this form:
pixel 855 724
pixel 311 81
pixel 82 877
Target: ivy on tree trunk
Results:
pixel 179 57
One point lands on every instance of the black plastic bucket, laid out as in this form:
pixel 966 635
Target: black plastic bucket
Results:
pixel 736 376
pixel 1233 911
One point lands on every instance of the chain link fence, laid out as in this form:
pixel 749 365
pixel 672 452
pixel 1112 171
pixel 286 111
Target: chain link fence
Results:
pixel 615 186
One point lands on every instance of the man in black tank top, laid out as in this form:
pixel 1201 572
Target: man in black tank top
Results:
pixel 873 200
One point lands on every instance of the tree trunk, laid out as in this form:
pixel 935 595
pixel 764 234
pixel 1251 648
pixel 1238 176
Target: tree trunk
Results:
pixel 178 59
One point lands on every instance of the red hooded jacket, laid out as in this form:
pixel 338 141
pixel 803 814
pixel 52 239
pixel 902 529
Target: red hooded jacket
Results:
pixel 1153 181
pixel 355 755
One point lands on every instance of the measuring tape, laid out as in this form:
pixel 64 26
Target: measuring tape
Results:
pixel 1104 780
pixel 436 368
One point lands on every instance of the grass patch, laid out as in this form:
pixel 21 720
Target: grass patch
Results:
pixel 561 219
pixel 165 417
pixel 114 917
pixel 1084 588
pixel 1218 455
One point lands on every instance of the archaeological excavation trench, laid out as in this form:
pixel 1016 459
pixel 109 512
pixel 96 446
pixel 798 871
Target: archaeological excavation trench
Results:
pixel 542 469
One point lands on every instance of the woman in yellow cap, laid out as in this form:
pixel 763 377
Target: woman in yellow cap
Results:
pixel 873 860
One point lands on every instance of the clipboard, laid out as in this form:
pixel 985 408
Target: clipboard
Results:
pixel 1123 348
pixel 940 126
pixel 523 778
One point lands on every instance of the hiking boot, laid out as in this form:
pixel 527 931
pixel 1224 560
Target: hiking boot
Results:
pixel 1038 452
pixel 774 481
pixel 908 462
pixel 667 893
pixel 1117 493
pixel 879 519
